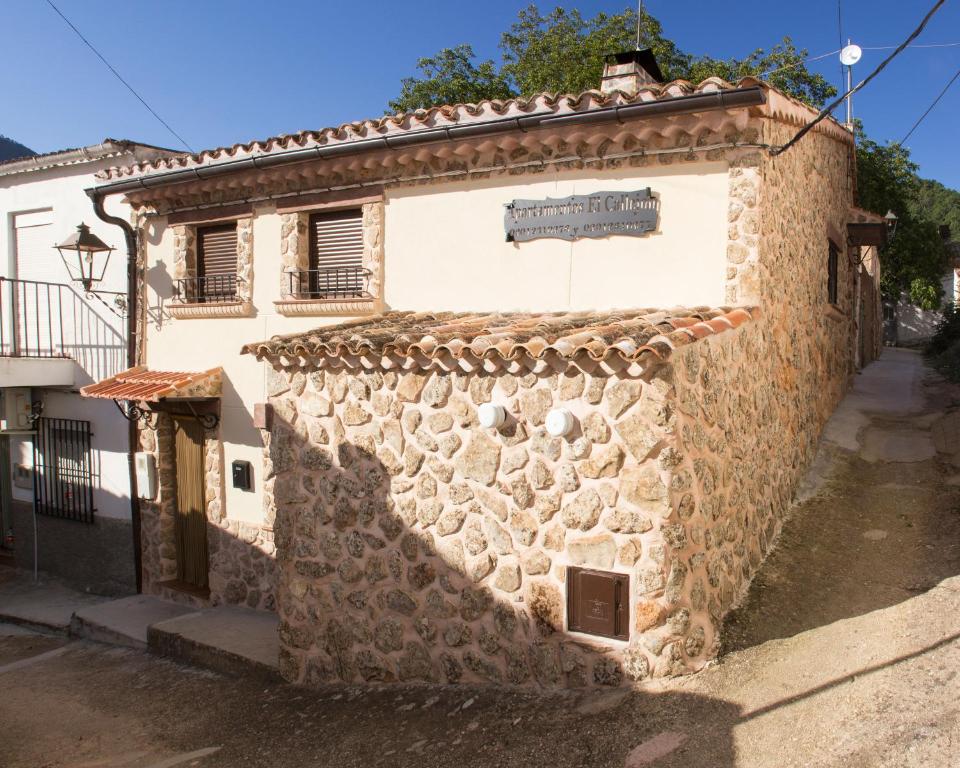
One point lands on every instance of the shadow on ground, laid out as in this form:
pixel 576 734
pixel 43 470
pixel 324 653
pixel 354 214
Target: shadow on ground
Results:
pixel 878 533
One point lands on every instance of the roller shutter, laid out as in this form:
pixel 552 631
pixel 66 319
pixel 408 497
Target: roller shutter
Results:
pixel 217 262
pixel 336 254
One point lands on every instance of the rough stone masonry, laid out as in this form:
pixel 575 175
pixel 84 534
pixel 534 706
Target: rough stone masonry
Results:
pixel 415 545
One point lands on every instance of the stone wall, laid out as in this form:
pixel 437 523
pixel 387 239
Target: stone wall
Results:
pixel 415 545
pixel 242 570
pixel 751 405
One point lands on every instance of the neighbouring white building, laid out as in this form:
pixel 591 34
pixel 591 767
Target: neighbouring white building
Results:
pixel 908 324
pixel 64 458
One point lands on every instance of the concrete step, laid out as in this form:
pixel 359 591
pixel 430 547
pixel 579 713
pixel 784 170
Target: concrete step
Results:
pixel 237 641
pixel 124 621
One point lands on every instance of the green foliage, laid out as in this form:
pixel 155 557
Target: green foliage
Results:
pixel 782 67
pixel 915 259
pixel 948 330
pixel 944 348
pixel 937 203
pixel 451 77
pixel 562 52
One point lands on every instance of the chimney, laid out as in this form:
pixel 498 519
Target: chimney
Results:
pixel 629 71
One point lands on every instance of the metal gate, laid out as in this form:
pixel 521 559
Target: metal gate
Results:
pixel 64 471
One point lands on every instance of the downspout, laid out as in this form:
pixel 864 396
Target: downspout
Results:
pixel 130 236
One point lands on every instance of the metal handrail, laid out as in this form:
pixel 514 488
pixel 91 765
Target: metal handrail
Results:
pixel 206 289
pixel 34 323
pixel 330 283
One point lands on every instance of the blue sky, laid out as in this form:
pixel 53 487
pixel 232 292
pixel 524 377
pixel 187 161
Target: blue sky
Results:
pixel 222 72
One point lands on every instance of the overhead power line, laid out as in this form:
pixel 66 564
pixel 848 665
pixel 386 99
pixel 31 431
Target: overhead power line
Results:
pixel 118 76
pixel 930 108
pixel 837 102
pixel 917 45
pixel 764 75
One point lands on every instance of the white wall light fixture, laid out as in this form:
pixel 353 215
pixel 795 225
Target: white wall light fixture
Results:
pixel 559 422
pixel 491 416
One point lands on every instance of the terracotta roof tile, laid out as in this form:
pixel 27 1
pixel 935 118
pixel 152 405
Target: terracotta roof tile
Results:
pixel 621 340
pixel 435 117
pixel 140 384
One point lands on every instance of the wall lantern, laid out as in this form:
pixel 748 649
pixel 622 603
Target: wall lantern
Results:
pixel 491 416
pixel 559 422
pixel 891 218
pixel 80 256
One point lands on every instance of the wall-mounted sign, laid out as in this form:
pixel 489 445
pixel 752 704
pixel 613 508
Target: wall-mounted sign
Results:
pixel 600 214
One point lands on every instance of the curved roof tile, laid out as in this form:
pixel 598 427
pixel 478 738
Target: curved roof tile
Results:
pixel 617 340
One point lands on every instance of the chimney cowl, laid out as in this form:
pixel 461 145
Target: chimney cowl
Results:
pixel 629 70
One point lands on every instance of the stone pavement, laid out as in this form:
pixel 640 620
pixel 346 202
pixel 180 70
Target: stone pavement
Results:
pixel 844 653
pixel 46 604
pixel 228 639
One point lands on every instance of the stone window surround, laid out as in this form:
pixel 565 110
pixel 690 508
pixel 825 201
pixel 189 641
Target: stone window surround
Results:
pixel 294 256
pixel 185 266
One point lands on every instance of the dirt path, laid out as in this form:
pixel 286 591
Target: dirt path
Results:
pixel 845 653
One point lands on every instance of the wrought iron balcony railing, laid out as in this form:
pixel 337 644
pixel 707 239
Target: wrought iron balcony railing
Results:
pixel 330 283
pixel 54 320
pixel 208 289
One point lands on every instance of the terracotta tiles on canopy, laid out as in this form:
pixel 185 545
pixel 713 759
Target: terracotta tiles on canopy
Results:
pixel 140 384
pixel 618 340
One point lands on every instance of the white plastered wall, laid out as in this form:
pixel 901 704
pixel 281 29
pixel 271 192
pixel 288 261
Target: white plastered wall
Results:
pixel 61 192
pixel 445 247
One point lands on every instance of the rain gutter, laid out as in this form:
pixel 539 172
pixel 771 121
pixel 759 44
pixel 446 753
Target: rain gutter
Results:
pixel 737 98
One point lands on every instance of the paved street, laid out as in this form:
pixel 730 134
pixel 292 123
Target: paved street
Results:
pixel 844 653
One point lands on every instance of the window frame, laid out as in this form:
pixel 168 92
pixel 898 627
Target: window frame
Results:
pixel 226 282
pixel 343 282
pixel 833 273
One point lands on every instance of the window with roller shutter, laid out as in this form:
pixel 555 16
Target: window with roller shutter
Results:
pixel 216 279
pixel 335 266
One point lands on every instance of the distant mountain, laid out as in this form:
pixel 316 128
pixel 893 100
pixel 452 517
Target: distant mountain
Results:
pixel 10 149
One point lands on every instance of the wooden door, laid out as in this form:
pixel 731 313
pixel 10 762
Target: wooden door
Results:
pixel 191 523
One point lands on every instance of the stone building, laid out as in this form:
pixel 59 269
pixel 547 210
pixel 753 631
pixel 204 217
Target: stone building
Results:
pixel 539 381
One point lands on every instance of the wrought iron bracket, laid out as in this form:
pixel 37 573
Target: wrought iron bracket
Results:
pixel 208 421
pixel 133 412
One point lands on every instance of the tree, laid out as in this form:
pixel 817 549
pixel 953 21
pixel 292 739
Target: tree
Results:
pixel 938 203
pixel 915 259
pixel 782 66
pixel 562 52
pixel 451 77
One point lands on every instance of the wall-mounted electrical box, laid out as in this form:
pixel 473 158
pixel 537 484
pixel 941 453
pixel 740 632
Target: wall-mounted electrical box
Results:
pixel 242 476
pixel 146 467
pixel 15 410
pixel 598 602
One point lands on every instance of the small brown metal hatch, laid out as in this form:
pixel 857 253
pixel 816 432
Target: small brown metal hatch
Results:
pixel 598 603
